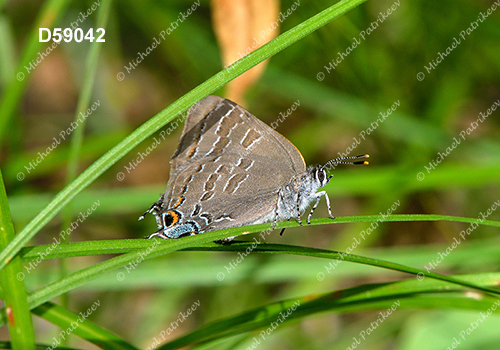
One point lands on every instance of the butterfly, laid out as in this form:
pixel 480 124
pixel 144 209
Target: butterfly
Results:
pixel 231 169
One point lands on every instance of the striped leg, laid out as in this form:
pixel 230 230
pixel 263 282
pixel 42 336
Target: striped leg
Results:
pixel 280 197
pixel 318 198
pixel 298 209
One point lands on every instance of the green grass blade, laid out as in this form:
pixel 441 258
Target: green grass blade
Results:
pixel 8 345
pixel 7 50
pixel 203 269
pixel 51 11
pixel 153 248
pixel 14 291
pixel 361 298
pixel 87 274
pixel 85 329
pixel 107 160
pixel 82 107
pixel 86 91
pixel 93 148
pixel 340 256
pixel 51 251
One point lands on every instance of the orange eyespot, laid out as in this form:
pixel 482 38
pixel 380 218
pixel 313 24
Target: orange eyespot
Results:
pixel 175 216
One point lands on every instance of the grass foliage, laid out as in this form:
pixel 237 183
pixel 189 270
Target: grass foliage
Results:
pixel 420 256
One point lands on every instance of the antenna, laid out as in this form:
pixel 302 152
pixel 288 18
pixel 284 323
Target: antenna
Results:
pixel 350 160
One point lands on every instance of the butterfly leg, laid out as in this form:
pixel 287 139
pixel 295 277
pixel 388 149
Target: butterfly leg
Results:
pixel 163 235
pixel 298 209
pixel 159 234
pixel 318 198
pixel 154 208
pixel 328 205
pixel 280 198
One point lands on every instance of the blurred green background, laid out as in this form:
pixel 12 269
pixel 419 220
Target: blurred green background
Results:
pixel 333 110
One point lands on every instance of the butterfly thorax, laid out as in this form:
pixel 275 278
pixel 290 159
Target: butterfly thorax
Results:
pixel 295 197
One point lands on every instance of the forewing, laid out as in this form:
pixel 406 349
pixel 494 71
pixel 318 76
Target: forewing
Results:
pixel 216 126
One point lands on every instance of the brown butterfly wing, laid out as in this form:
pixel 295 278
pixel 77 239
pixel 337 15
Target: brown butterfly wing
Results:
pixel 229 167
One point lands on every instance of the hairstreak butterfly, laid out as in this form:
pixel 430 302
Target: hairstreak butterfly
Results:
pixel 231 169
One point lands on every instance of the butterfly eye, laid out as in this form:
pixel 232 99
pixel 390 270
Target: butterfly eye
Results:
pixel 321 175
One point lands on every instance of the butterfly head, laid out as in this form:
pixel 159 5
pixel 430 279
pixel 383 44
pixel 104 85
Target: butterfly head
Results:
pixel 320 176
